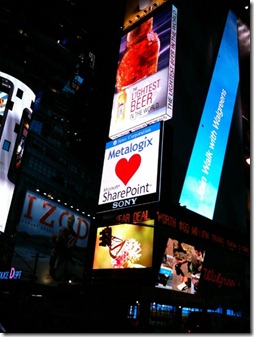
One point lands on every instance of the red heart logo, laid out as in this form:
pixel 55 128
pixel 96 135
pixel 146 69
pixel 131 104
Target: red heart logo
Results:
pixel 125 169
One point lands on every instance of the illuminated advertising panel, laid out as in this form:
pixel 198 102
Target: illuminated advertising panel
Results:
pixel 131 169
pixel 144 87
pixel 129 246
pixel 192 269
pixel 181 267
pixel 195 269
pixel 16 100
pixel 45 249
pixel 200 188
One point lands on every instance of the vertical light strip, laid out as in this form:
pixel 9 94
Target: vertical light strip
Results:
pixel 200 188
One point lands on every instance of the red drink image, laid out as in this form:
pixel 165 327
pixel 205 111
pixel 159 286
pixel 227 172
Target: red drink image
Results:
pixel 140 58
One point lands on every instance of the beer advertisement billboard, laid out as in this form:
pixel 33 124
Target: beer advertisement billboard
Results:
pixel 144 86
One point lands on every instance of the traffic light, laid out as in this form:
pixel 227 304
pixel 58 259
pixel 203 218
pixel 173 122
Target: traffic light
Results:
pixel 105 237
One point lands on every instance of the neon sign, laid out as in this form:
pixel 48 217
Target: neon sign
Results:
pixel 10 274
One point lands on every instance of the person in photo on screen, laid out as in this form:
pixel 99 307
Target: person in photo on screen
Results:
pixel 197 264
pixel 188 264
pixel 63 244
pixel 182 258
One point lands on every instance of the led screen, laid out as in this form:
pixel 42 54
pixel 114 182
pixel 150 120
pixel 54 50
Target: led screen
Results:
pixel 130 247
pixel 15 98
pixel 44 248
pixel 130 169
pixel 145 74
pixel 200 188
pixel 181 267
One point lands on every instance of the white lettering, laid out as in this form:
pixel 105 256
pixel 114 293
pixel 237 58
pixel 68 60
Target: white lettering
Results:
pixel 123 203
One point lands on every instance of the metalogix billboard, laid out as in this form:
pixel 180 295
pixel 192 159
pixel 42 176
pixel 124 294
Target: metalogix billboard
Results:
pixel 131 169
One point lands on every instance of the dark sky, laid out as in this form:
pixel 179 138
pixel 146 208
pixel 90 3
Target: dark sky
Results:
pixel 98 25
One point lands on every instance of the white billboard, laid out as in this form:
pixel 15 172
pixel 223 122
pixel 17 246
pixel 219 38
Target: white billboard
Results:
pixel 130 169
pixel 16 100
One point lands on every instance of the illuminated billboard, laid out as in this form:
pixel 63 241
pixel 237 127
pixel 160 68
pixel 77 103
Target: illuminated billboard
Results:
pixel 181 267
pixel 144 88
pixel 200 188
pixel 51 242
pixel 130 174
pixel 195 269
pixel 16 101
pixel 129 246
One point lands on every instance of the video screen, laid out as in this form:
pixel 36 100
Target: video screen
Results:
pixel 125 180
pixel 144 84
pixel 202 180
pixel 181 267
pixel 12 107
pixel 124 246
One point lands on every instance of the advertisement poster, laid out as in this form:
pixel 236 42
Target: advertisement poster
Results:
pixel 130 169
pixel 145 74
pixel 129 246
pixel 200 188
pixel 181 267
pixel 192 269
pixel 51 242
pixel 16 100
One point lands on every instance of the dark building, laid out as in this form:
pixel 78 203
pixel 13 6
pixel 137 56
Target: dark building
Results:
pixel 67 53
pixel 55 55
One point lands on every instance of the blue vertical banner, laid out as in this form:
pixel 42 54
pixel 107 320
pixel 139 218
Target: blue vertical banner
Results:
pixel 200 188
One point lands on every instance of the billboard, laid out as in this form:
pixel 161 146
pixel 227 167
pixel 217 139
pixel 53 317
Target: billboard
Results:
pixel 16 100
pixel 144 86
pixel 200 268
pixel 123 253
pixel 201 184
pixel 51 242
pixel 131 169
pixel 129 246
pixel 181 267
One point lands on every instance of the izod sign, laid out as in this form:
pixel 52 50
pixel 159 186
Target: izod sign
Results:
pixel 130 170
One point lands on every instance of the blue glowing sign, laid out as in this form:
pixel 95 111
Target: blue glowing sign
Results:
pixel 200 188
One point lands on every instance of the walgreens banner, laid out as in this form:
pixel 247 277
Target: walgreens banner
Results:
pixel 202 180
